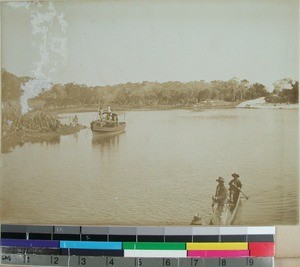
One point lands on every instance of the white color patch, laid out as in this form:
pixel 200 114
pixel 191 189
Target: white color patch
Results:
pixel 140 253
pixel 262 230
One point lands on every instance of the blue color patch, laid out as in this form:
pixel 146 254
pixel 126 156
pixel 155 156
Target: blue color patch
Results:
pixel 91 245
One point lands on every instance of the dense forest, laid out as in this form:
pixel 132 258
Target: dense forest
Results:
pixel 149 94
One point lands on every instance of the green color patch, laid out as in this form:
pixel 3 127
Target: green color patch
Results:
pixel 154 245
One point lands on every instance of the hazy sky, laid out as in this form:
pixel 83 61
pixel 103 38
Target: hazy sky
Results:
pixel 111 42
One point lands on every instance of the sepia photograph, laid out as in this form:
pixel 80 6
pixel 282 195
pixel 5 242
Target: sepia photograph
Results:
pixel 150 113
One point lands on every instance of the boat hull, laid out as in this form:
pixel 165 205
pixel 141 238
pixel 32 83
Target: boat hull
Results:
pixel 227 214
pixel 99 127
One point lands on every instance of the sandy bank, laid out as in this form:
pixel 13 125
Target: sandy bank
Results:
pixel 260 103
pixel 214 104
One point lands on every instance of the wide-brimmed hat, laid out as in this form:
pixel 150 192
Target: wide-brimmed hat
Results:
pixel 220 179
pixel 235 175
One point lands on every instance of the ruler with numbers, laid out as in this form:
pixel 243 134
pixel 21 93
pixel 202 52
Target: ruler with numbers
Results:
pixel 137 246
pixel 47 260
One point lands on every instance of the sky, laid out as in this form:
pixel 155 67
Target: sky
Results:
pixel 111 42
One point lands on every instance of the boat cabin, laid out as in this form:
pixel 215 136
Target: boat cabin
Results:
pixel 108 122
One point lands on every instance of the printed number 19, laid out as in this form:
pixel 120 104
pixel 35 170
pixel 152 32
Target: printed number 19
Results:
pixel 250 262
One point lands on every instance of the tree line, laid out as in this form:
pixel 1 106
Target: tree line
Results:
pixel 145 94
pixel 152 93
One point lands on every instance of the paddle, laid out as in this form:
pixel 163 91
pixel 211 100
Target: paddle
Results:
pixel 241 191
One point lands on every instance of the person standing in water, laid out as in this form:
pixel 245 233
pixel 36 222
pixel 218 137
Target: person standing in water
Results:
pixel 221 194
pixel 235 186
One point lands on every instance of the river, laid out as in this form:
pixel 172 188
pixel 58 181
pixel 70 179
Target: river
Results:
pixel 160 171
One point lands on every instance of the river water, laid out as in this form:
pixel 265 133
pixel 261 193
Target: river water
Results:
pixel 160 171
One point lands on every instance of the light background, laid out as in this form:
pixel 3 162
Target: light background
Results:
pixel 111 42
pixel 261 70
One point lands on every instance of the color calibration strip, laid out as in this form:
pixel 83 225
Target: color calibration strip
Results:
pixel 137 246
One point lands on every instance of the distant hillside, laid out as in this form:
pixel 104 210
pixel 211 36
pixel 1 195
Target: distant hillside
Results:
pixel 11 86
pixel 11 92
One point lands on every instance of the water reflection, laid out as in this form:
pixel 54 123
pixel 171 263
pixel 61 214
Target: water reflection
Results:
pixel 44 140
pixel 106 140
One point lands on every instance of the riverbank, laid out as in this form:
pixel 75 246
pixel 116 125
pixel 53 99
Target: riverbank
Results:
pixel 260 103
pixel 213 104
pixel 34 126
pixel 66 110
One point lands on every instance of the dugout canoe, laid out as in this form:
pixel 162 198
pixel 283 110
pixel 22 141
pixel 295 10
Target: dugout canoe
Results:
pixel 227 214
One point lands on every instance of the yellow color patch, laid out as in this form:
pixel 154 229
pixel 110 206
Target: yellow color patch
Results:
pixel 217 246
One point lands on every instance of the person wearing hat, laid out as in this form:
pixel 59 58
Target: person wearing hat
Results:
pixel 234 188
pixel 221 193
